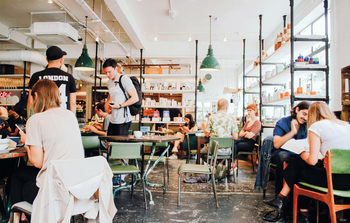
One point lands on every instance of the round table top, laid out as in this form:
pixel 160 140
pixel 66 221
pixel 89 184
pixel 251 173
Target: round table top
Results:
pixel 21 151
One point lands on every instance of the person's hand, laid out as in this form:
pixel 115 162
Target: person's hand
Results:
pixel 203 125
pixel 304 155
pixel 23 137
pixel 114 105
pixel 294 126
pixel 185 129
pixel 95 124
pixel 249 135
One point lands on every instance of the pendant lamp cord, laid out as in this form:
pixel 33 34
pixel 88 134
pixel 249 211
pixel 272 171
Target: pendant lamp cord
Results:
pixel 210 30
pixel 85 27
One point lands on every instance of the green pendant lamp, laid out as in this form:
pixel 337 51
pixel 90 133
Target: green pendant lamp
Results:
pixel 210 63
pixel 84 62
pixel 200 87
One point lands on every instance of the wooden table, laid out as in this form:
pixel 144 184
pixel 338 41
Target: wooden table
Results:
pixel 152 139
pixel 201 139
pixel 17 153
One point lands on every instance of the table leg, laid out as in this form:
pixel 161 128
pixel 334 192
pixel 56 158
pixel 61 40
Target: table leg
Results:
pixel 198 150
pixel 154 164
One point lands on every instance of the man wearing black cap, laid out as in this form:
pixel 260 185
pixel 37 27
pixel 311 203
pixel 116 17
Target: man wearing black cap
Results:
pixel 64 81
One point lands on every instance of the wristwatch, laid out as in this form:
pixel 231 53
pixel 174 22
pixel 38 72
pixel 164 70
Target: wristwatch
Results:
pixel 120 106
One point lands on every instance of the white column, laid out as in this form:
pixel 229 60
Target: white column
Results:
pixel 340 48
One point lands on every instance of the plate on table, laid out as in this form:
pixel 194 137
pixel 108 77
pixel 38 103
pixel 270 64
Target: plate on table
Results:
pixel 4 151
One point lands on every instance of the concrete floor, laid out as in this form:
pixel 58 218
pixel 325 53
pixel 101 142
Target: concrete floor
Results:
pixel 239 202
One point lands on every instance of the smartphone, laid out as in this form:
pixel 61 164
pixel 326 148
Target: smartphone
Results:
pixel 21 127
pixel 111 103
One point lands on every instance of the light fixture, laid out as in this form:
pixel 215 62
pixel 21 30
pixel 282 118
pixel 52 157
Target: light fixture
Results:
pixel 200 87
pixel 84 62
pixel 190 38
pixel 97 39
pixel 156 37
pixel 225 39
pixel 210 63
pixel 50 1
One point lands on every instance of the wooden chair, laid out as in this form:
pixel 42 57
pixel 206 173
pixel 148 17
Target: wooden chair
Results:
pixel 336 161
pixel 201 169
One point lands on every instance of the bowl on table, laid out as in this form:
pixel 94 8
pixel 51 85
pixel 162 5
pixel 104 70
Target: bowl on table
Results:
pixel 4 143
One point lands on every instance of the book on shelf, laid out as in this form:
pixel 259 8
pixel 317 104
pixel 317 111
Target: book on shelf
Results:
pixel 298 146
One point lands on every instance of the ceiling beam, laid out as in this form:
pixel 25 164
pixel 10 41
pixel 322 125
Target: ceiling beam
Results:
pixel 122 13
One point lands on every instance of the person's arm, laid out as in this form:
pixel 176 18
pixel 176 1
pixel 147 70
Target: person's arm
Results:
pixel 95 130
pixel 15 132
pixel 132 100
pixel 206 128
pixel 243 132
pixel 256 128
pixel 36 155
pixel 315 146
pixel 29 103
pixel 72 102
pixel 194 128
pixel 278 141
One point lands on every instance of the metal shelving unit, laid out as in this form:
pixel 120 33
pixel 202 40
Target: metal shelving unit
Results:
pixel 308 39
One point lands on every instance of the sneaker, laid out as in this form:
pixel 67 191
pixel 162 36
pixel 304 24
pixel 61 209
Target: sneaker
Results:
pixel 173 157
pixel 119 183
pixel 233 170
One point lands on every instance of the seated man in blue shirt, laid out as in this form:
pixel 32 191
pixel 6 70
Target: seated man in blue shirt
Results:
pixel 293 126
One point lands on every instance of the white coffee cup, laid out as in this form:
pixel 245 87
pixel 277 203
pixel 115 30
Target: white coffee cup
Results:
pixel 137 134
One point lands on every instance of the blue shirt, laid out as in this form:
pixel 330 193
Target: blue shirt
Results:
pixel 283 126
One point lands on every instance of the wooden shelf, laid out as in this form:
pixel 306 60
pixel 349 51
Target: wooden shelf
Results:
pixel 13 76
pixel 160 122
pixel 13 90
pixel 176 76
pixel 168 91
pixel 155 106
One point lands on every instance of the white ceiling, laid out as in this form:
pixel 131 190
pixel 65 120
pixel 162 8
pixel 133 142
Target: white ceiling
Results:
pixel 135 23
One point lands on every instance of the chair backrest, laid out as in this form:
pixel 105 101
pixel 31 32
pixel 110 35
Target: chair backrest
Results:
pixel 340 159
pixel 214 151
pixel 91 142
pixel 189 140
pixel 125 150
pixel 224 142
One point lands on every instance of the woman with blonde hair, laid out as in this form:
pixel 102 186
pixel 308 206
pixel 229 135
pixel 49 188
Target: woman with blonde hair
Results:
pixel 52 134
pixel 325 132
pixel 250 131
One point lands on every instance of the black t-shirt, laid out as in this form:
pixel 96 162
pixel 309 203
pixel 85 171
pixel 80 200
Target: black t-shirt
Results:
pixel 12 121
pixel 64 81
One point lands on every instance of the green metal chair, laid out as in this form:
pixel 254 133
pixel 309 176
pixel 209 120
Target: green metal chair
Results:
pixel 91 144
pixel 190 144
pixel 163 160
pixel 201 169
pixel 127 151
pixel 252 153
pixel 335 162
pixel 224 142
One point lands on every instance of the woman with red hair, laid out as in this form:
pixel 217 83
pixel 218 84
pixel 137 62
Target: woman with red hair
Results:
pixel 250 131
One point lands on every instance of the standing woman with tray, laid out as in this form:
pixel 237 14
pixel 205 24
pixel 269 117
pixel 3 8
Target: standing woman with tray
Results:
pixel 52 134
pixel 250 131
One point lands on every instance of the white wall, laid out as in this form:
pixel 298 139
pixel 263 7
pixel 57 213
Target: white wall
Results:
pixel 340 48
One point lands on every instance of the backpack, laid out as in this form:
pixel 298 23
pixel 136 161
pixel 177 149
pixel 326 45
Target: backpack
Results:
pixel 136 107
pixel 21 106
